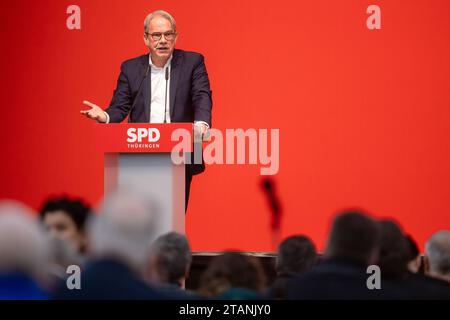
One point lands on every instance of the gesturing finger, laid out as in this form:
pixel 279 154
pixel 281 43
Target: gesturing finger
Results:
pixel 90 104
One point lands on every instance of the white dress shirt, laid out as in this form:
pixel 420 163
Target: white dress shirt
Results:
pixel 159 94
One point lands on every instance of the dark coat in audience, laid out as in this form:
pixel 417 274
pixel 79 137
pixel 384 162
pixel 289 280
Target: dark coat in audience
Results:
pixel 278 288
pixel 109 279
pixel 420 287
pixel 174 292
pixel 337 280
pixel 19 286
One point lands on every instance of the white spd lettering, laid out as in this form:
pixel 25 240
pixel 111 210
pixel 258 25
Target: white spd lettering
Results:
pixel 139 134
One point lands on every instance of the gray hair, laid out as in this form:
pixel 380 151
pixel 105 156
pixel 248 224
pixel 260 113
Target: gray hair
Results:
pixel 124 228
pixel 159 13
pixel 22 241
pixel 437 249
pixel 172 254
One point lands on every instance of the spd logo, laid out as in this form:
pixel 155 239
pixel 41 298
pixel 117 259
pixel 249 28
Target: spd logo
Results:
pixel 143 135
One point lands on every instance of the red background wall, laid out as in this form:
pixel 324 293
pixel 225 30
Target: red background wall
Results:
pixel 364 115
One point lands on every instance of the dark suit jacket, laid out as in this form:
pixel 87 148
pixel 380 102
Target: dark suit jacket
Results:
pixel 190 93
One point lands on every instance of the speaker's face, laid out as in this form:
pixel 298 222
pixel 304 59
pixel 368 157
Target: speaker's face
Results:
pixel 160 38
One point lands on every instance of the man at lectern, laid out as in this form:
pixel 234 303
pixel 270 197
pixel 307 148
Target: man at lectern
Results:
pixel 166 85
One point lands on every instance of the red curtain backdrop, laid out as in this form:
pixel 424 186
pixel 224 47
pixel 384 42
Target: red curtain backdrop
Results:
pixel 364 115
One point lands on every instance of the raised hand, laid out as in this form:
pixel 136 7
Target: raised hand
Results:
pixel 95 113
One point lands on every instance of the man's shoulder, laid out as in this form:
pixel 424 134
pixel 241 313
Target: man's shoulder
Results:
pixel 136 61
pixel 188 55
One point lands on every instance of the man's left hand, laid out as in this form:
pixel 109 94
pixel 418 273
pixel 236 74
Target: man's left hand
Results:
pixel 200 131
pixel 201 127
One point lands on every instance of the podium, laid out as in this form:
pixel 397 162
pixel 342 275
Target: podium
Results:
pixel 139 156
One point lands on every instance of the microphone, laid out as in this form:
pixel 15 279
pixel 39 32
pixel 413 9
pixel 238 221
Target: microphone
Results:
pixel 139 91
pixel 165 97
pixel 268 186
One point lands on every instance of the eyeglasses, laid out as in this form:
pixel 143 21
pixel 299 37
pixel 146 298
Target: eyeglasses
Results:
pixel 156 36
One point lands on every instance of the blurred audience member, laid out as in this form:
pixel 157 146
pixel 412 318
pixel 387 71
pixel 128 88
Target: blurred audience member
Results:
pixel 65 218
pixel 61 256
pixel 395 257
pixel 437 256
pixel 119 238
pixel 22 253
pixel 415 264
pixel 170 262
pixel 296 255
pixel 233 275
pixel 352 246
pixel 394 251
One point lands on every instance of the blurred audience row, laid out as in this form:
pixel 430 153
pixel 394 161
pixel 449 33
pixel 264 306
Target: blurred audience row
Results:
pixel 120 257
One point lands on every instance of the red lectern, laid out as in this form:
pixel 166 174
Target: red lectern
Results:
pixel 139 155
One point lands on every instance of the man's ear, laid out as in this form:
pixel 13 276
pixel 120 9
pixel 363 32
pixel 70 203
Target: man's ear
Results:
pixel 419 262
pixel 151 270
pixel 146 41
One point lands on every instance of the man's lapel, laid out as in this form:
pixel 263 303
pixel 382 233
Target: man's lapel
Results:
pixel 175 71
pixel 146 87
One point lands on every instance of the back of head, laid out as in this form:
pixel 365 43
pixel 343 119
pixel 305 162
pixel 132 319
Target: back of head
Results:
pixel 296 254
pixel 170 258
pixel 124 229
pixel 395 252
pixel 437 251
pixel 354 236
pixel 22 242
pixel 232 270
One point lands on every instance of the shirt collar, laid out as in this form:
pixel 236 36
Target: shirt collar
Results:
pixel 155 67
